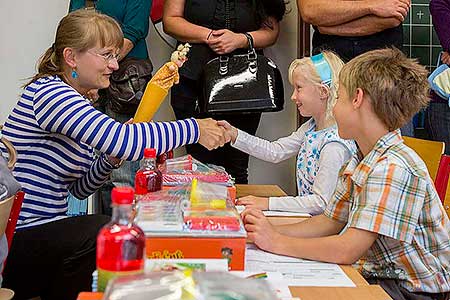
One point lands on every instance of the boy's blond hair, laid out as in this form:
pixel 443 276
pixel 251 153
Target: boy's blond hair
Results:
pixel 397 85
pixel 306 65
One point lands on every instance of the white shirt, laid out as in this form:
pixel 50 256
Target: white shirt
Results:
pixel 332 156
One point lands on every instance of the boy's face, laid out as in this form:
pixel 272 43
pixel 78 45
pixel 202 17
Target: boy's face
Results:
pixel 344 114
pixel 306 96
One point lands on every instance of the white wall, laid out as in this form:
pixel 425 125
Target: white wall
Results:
pixel 27 28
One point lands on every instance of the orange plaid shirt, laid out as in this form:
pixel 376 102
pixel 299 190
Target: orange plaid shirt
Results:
pixel 391 193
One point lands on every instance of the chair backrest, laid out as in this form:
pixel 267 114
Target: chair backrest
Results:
pixel 429 151
pixel 14 216
pixel 5 210
pixel 442 182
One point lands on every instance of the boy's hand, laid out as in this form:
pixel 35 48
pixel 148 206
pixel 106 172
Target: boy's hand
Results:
pixel 259 229
pixel 231 130
pixel 254 202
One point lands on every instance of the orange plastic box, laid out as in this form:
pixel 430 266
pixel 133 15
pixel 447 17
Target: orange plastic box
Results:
pixel 232 248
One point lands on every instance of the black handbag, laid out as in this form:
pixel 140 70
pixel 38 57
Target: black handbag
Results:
pixel 127 85
pixel 241 83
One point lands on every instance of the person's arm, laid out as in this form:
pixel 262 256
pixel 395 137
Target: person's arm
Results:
pixel 177 26
pixel 134 24
pixel 267 34
pixel 60 109
pixel 274 152
pixel 332 158
pixel 364 26
pixel 320 241
pixel 96 176
pixel 321 13
pixel 440 11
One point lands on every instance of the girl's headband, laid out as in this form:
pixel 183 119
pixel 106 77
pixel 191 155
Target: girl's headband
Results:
pixel 322 68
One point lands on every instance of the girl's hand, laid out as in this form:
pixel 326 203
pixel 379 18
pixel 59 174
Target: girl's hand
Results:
pixel 231 130
pixel 224 41
pixel 254 202
pixel 259 229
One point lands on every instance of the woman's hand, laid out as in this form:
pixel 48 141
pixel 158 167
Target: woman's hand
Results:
pixel 254 202
pixel 212 136
pixel 259 229
pixel 224 41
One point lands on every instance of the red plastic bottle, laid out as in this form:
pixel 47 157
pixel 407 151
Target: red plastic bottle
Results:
pixel 120 243
pixel 148 178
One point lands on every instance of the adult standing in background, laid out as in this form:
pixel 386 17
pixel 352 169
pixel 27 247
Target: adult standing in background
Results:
pixel 133 17
pixel 351 28
pixel 438 113
pixel 202 23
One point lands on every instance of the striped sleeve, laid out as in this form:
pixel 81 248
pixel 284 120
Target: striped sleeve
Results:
pixel 60 109
pixel 93 179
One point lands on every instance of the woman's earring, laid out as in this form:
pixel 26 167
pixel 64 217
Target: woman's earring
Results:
pixel 74 74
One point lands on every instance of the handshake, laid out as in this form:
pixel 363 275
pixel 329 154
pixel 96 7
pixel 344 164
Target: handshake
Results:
pixel 215 134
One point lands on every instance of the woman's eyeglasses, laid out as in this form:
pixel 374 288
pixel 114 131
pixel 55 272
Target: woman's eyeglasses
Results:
pixel 108 57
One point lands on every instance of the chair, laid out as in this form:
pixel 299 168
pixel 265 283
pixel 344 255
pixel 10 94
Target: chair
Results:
pixel 10 208
pixel 442 183
pixel 429 151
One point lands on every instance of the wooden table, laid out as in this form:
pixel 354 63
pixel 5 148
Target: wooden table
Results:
pixel 362 290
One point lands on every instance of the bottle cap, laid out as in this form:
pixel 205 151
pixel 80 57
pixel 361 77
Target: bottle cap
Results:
pixel 150 153
pixel 122 195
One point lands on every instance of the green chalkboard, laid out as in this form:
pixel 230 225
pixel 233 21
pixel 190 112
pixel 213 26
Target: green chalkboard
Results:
pixel 419 38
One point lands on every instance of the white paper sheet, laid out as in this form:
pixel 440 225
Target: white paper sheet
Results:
pixel 275 280
pixel 276 213
pixel 296 272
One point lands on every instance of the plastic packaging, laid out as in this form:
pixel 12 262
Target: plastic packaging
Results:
pixel 188 286
pixel 198 208
pixel 120 243
pixel 161 160
pixel 185 168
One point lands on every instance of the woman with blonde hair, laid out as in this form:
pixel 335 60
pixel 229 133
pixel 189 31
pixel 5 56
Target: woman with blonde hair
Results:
pixel 320 151
pixel 55 130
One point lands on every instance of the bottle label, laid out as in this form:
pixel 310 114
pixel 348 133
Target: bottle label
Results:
pixel 105 276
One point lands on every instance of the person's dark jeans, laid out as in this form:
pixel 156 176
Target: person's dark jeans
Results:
pixel 393 288
pixel 437 123
pixel 184 104
pixel 54 260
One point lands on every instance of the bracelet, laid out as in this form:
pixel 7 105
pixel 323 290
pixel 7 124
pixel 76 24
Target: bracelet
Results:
pixel 249 40
pixel 209 34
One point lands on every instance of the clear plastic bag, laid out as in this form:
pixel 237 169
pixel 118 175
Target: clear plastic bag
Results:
pixel 187 286
pixel 184 169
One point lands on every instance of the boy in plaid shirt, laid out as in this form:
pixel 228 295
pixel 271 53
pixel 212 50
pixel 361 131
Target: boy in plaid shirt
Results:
pixel 385 212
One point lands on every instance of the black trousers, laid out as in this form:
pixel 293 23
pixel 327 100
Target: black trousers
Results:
pixel 54 260
pixel 184 103
pixel 393 288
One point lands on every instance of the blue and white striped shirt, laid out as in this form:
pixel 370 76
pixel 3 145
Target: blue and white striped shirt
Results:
pixel 55 131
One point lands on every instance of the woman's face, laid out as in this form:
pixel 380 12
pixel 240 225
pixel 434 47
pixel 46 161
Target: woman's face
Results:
pixel 306 96
pixel 95 66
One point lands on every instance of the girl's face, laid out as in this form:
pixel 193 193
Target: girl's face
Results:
pixel 94 67
pixel 306 96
